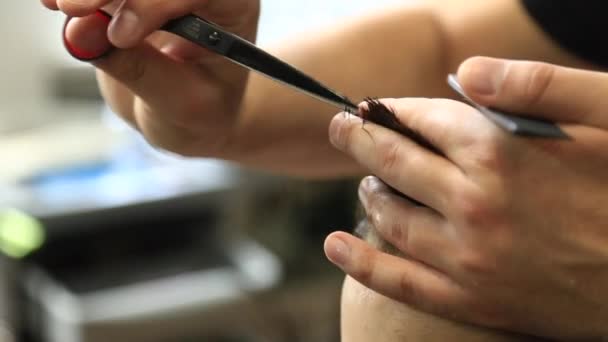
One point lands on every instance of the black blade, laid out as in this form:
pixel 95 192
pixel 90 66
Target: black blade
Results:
pixel 249 56
pixel 246 54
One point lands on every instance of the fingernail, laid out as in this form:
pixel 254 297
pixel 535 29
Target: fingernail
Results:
pixel 485 76
pixel 124 28
pixel 338 251
pixel 364 189
pixel 336 128
pixel 339 129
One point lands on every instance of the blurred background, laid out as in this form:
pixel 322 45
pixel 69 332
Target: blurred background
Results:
pixel 105 239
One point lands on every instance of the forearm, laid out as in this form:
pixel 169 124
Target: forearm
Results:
pixel 404 52
pixel 286 131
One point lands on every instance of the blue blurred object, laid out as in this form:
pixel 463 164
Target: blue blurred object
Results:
pixel 133 173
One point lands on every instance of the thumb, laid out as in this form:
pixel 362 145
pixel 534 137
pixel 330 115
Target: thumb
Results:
pixel 537 89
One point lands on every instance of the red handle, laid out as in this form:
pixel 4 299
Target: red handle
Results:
pixel 88 54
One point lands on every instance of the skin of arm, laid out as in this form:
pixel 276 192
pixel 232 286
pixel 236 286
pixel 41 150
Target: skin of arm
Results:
pixel 404 51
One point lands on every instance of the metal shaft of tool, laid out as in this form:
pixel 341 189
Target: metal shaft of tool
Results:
pixel 246 54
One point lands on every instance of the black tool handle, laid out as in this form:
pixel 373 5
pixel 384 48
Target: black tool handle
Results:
pixel 514 124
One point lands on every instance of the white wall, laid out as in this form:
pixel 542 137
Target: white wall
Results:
pixel 30 42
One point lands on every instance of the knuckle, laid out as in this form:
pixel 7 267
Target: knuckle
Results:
pixel 341 133
pixel 134 70
pixel 489 157
pixel 391 158
pixel 475 208
pixel 480 309
pixel 399 232
pixel 487 314
pixel 364 266
pixel 158 8
pixel 391 225
pixel 169 138
pixel 540 77
pixel 197 105
pixel 482 263
pixel 477 265
pixel 190 111
pixel 408 292
pixel 125 67
pixel 172 8
pixel 50 4
pixel 530 81
pixel 375 207
pixel 474 213
pixel 489 153
pixel 72 7
pixel 392 229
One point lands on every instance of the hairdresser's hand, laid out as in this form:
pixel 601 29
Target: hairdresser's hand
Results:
pixel 515 235
pixel 180 96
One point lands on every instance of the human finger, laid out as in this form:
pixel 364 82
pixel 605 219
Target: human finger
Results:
pixel 417 231
pixel 404 280
pixel 403 164
pixel 80 8
pixel 137 19
pixel 538 89
pixel 50 4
